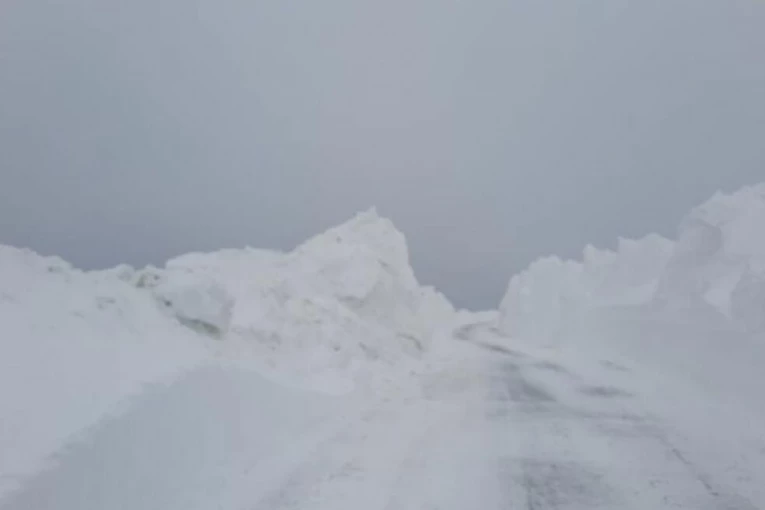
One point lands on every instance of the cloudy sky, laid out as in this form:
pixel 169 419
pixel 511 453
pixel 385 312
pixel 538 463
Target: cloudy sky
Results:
pixel 490 131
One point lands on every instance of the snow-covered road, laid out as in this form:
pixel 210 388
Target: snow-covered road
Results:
pixel 563 441
pixel 501 428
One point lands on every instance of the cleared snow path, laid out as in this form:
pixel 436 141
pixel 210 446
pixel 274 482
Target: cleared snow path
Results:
pixel 563 441
pixel 502 428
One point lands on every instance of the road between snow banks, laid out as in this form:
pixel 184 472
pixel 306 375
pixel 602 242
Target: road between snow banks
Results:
pixel 500 429
pixel 563 441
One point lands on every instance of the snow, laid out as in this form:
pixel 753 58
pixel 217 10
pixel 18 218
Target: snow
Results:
pixel 719 242
pixel 552 293
pixel 342 312
pixel 206 430
pixel 329 378
pixel 342 309
pixel 716 256
pixel 678 324
pixel 74 346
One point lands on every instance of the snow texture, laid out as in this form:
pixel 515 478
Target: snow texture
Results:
pixel 340 305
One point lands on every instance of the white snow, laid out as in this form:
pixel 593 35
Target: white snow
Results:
pixel 344 308
pixel 74 346
pixel 720 248
pixel 329 378
pixel 678 323
pixel 719 242
pixel 552 293
pixel 342 311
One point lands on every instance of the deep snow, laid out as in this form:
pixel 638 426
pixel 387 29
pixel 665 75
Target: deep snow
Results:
pixel 714 271
pixel 687 315
pixel 342 311
pixel 329 378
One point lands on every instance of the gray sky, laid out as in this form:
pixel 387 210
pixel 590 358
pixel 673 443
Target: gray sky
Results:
pixel 490 131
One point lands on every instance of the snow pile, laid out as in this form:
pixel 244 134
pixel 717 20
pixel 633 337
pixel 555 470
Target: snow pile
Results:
pixel 198 303
pixel 719 249
pixel 341 300
pixel 73 345
pixel 364 265
pixel 714 269
pixel 342 311
pixel 552 293
pixel 541 298
pixel 343 308
pixel 627 276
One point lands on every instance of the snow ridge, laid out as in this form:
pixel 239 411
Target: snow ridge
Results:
pixel 342 311
pixel 716 268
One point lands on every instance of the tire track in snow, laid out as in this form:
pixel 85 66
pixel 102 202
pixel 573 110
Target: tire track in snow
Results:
pixel 575 444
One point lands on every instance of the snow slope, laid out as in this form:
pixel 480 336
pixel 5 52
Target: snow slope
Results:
pixel 342 311
pixel 715 268
pixel 73 346
pixel 342 307
pixel 553 293
pixel 720 245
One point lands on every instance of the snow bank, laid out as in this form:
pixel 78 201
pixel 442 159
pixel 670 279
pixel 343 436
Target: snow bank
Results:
pixel 552 293
pixel 712 270
pixel 720 245
pixel 343 310
pixel 341 302
pixel 73 345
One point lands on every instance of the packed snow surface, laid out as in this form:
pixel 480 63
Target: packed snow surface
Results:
pixel 329 378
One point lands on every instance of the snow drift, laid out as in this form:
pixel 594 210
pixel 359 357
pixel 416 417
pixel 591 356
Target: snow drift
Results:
pixel 343 310
pixel 553 293
pixel 73 345
pixel 345 302
pixel 715 269
pixel 720 246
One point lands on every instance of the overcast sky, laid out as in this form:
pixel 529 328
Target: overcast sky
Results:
pixel 490 131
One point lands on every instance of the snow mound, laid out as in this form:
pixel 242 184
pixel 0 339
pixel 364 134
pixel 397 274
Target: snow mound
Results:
pixel 342 311
pixel 339 303
pixel 539 298
pixel 364 264
pixel 714 269
pixel 552 292
pixel 718 244
pixel 73 345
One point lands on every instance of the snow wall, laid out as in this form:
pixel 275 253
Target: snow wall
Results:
pixel 343 311
pixel 714 271
pixel 340 301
